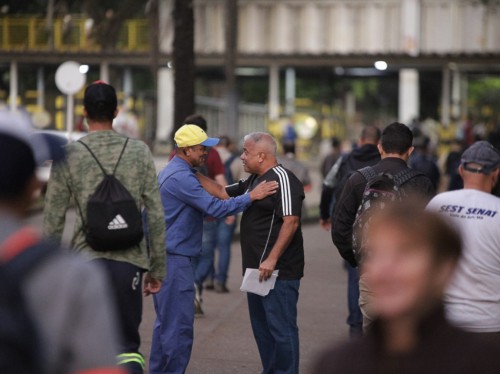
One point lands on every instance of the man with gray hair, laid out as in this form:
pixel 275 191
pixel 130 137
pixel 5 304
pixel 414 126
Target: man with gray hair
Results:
pixel 271 239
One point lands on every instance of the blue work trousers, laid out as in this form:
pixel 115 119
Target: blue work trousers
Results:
pixel 274 325
pixel 173 328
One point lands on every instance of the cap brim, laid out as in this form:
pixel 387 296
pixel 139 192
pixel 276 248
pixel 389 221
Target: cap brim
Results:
pixel 210 142
pixel 48 147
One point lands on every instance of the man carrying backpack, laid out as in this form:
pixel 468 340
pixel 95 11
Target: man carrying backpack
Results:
pixel 55 312
pixel 110 178
pixel 366 154
pixel 395 148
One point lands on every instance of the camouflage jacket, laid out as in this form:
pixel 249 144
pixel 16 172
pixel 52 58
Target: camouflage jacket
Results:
pixel 78 177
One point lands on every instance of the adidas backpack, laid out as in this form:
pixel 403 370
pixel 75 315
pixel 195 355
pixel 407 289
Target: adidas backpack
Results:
pixel 20 351
pixel 380 189
pixel 113 222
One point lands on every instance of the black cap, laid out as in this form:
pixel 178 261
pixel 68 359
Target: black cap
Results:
pixel 483 154
pixel 100 100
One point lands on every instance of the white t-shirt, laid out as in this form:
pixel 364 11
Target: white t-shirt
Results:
pixel 472 299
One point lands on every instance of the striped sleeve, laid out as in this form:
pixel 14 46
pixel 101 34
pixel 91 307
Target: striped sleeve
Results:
pixel 291 193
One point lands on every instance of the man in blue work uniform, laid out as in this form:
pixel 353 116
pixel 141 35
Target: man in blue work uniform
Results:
pixel 185 203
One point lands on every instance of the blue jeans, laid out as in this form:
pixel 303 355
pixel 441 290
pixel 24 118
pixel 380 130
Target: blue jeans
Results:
pixel 274 326
pixel 225 235
pixel 173 328
pixel 203 265
pixel 355 317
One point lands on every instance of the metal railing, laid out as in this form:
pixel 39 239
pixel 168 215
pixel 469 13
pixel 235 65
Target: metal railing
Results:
pixel 252 117
pixel 33 34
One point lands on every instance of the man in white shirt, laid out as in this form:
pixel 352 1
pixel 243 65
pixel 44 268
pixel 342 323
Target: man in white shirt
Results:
pixel 473 298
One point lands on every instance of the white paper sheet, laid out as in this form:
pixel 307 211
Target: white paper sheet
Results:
pixel 252 284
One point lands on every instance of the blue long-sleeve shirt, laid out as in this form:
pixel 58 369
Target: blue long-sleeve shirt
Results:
pixel 185 203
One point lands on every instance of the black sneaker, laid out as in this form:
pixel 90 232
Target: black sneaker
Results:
pixel 220 287
pixel 209 285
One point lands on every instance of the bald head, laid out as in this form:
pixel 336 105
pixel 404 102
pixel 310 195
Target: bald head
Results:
pixel 263 142
pixel 370 135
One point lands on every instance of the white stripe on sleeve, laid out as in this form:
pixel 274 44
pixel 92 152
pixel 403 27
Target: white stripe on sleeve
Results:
pixel 286 195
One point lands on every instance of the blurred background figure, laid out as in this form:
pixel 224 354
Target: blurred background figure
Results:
pixel 410 258
pixel 452 164
pixel 331 158
pixel 225 226
pixel 422 160
pixel 289 161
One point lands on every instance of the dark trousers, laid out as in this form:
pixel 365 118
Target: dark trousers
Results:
pixel 126 285
pixel 274 325
pixel 355 317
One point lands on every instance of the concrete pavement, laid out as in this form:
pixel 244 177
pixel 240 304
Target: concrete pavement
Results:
pixel 223 338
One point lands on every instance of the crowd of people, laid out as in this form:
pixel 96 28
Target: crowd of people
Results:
pixel 423 266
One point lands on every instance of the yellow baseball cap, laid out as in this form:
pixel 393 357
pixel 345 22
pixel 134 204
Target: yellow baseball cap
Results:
pixel 190 135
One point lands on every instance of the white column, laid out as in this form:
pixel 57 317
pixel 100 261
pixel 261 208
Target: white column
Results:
pixel 13 85
pixel 40 88
pixel 445 97
pixel 290 91
pixel 409 103
pixel 128 86
pixel 456 88
pixel 104 72
pixel 410 25
pixel 165 105
pixel 464 99
pixel 274 92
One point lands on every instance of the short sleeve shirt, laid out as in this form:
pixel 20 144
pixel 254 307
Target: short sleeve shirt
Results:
pixel 262 221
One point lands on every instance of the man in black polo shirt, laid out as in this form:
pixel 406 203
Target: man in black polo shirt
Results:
pixel 271 239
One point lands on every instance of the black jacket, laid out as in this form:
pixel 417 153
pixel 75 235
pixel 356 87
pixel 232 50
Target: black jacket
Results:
pixel 441 348
pixel 367 155
pixel 352 194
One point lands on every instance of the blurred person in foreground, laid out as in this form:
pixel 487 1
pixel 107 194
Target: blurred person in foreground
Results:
pixel 67 298
pixel 472 299
pixel 185 204
pixel 409 258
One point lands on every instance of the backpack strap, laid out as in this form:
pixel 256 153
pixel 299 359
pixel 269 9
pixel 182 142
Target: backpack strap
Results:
pixel 97 161
pixel 368 173
pixel 121 154
pixel 93 156
pixel 405 175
